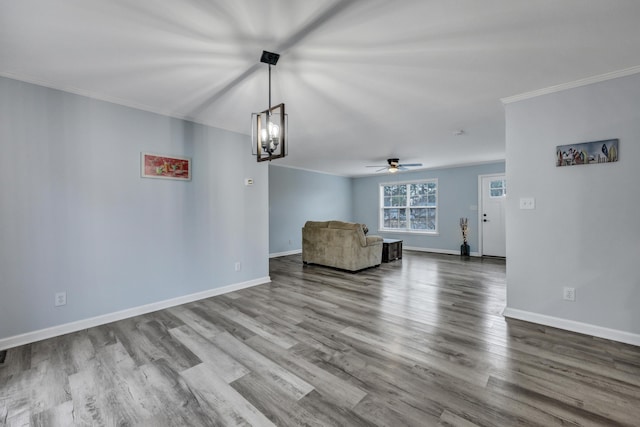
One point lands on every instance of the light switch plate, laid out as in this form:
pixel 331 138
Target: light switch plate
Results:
pixel 527 203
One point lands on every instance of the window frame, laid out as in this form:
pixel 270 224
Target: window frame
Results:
pixel 407 206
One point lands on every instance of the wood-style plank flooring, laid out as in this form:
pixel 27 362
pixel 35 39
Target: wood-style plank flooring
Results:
pixel 415 342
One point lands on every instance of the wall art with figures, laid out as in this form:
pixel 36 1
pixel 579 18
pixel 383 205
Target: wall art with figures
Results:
pixel 587 153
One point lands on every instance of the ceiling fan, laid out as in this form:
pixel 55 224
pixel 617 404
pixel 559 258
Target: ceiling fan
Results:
pixel 395 166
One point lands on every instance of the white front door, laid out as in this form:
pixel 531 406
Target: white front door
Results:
pixel 492 213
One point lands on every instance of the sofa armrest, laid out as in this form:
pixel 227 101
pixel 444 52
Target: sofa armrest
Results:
pixel 372 240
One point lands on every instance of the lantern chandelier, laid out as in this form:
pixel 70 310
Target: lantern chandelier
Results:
pixel 268 128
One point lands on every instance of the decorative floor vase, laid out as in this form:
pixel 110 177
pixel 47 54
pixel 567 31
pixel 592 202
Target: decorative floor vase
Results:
pixel 464 249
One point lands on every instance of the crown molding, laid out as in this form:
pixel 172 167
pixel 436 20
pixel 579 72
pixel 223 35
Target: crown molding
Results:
pixel 572 85
pixel 105 98
pixel 89 94
pixel 309 170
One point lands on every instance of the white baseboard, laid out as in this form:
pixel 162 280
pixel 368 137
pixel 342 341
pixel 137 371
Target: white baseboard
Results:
pixel 66 328
pixel 437 251
pixel 409 248
pixel 572 325
pixel 279 254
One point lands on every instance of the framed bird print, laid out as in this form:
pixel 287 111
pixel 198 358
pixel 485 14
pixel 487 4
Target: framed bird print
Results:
pixel 587 153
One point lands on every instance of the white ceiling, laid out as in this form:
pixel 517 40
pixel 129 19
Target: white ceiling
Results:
pixel 362 80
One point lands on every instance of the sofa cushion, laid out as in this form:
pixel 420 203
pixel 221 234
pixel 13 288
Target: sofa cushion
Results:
pixel 342 225
pixel 316 224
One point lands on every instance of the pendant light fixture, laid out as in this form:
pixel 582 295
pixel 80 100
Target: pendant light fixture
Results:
pixel 268 128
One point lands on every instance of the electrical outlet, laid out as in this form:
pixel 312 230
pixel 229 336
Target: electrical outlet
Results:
pixel 238 266
pixel 527 203
pixel 569 294
pixel 60 299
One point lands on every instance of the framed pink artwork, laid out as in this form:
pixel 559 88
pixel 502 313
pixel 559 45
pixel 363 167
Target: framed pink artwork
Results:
pixel 165 167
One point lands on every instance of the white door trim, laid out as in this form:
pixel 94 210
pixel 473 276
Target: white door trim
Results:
pixel 481 206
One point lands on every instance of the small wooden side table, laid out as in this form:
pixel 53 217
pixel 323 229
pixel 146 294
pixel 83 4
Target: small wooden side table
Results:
pixel 391 250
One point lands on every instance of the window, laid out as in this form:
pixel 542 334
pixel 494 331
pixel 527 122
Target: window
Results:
pixel 409 206
pixel 498 188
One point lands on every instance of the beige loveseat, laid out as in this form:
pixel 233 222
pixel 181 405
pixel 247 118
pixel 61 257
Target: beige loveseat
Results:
pixel 340 244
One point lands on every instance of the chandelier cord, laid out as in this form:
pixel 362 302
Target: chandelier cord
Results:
pixel 269 111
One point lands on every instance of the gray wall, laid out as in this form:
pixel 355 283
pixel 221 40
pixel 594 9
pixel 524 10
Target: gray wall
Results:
pixel 457 194
pixel 584 230
pixel 297 196
pixel 76 216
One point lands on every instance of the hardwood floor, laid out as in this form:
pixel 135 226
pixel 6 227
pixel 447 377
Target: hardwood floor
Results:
pixel 415 342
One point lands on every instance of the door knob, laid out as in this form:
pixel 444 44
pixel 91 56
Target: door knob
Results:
pixel 485 220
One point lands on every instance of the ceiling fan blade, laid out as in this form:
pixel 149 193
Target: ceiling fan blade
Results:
pixel 393 164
